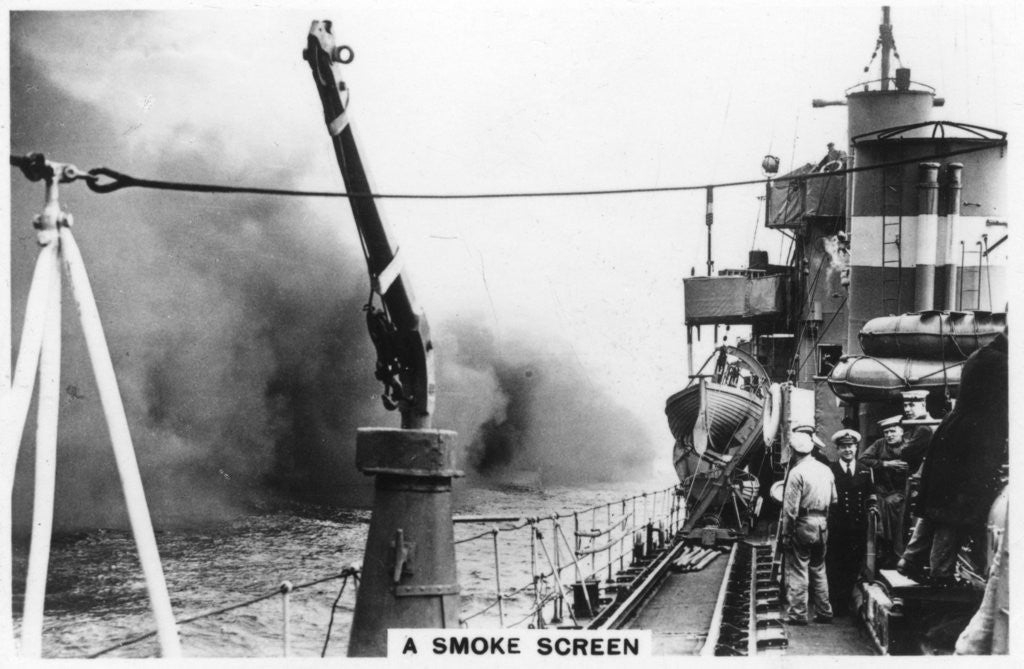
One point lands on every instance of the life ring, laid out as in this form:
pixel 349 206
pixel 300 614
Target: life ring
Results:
pixel 771 414
pixel 831 166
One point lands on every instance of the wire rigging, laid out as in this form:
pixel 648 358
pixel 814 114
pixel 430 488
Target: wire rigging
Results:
pixel 118 180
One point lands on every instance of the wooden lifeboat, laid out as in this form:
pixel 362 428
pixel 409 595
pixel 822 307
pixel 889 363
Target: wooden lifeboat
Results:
pixel 931 335
pixel 865 378
pixel 721 400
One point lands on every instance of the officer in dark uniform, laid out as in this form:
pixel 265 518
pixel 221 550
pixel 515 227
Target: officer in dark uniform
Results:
pixel 847 522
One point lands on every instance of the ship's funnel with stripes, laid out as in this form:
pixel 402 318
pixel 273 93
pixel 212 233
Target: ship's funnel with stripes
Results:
pixel 927 235
pixel 954 185
pixel 898 235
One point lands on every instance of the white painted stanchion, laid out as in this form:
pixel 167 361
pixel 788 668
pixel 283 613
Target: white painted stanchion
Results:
pixel 124 452
pixel 45 474
pixel 20 396
pixel 15 411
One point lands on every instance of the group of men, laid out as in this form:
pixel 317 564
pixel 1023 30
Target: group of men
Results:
pixel 826 503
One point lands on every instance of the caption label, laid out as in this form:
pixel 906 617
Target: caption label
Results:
pixel 524 643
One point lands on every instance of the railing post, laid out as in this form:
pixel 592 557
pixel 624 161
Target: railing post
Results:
pixel 497 577
pixel 556 616
pixel 286 588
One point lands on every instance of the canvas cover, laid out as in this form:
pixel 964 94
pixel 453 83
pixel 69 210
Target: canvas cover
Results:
pixel 791 200
pixel 732 300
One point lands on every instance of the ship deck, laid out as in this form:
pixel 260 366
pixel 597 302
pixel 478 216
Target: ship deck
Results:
pixel 680 612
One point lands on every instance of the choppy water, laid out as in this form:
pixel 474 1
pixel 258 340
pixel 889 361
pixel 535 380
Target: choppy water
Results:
pixel 96 595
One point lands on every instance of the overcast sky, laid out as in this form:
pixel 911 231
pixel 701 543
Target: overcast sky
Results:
pixel 463 97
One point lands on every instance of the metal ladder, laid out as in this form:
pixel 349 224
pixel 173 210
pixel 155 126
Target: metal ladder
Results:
pixel 963 302
pixel 892 237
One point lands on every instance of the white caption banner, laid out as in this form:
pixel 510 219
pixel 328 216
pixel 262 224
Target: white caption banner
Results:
pixel 533 643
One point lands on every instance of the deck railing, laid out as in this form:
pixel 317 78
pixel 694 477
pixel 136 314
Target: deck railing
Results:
pixel 575 553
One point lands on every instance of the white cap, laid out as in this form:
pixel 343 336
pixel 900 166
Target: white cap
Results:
pixel 801 442
pixel 846 436
pixel 891 421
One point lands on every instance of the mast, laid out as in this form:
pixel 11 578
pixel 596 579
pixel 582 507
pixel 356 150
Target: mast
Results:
pixel 885 35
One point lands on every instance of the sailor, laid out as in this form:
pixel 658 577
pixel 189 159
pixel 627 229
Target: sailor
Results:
pixel 818 451
pixel 884 457
pixel 833 155
pixel 962 475
pixel 810 490
pixel 916 437
pixel 847 522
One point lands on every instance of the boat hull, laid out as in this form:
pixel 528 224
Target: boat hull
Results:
pixel 864 378
pixel 727 408
pixel 931 335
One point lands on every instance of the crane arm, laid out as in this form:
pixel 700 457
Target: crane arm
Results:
pixel 398 328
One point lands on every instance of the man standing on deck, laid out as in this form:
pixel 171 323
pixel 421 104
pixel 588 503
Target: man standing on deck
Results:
pixel 888 468
pixel 963 473
pixel 810 490
pixel 847 521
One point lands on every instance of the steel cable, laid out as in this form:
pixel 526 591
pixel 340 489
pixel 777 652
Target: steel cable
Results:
pixel 120 180
pixel 255 600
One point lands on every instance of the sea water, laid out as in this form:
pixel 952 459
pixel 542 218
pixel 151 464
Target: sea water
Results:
pixel 96 595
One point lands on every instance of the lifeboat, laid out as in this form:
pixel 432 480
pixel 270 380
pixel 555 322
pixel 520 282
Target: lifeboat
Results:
pixel 933 335
pixel 865 378
pixel 705 415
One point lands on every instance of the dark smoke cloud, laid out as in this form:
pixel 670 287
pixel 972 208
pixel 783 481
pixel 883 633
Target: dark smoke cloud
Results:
pixel 543 415
pixel 237 335
pixel 234 324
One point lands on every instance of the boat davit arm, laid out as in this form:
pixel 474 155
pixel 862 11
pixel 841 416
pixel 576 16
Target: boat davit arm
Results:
pixel 399 328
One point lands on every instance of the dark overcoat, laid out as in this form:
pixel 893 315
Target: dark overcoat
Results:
pixel 961 474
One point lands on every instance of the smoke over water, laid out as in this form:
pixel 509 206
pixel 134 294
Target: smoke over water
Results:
pixel 536 412
pixel 236 328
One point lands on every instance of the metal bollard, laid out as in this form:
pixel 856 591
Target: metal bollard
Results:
pixel 409 578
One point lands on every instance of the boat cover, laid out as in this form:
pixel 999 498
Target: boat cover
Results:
pixel 732 300
pixel 793 199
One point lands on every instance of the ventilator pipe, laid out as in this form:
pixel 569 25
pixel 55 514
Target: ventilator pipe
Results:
pixel 121 439
pixel 927 231
pixel 45 474
pixel 955 187
pixel 409 578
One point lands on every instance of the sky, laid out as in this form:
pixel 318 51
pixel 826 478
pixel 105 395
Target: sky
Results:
pixel 232 305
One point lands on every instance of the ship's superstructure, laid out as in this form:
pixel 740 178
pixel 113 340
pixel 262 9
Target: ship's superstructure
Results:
pixel 897 273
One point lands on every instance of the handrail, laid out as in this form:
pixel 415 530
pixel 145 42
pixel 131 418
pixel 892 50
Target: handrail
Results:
pixel 630 516
pixel 549 584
